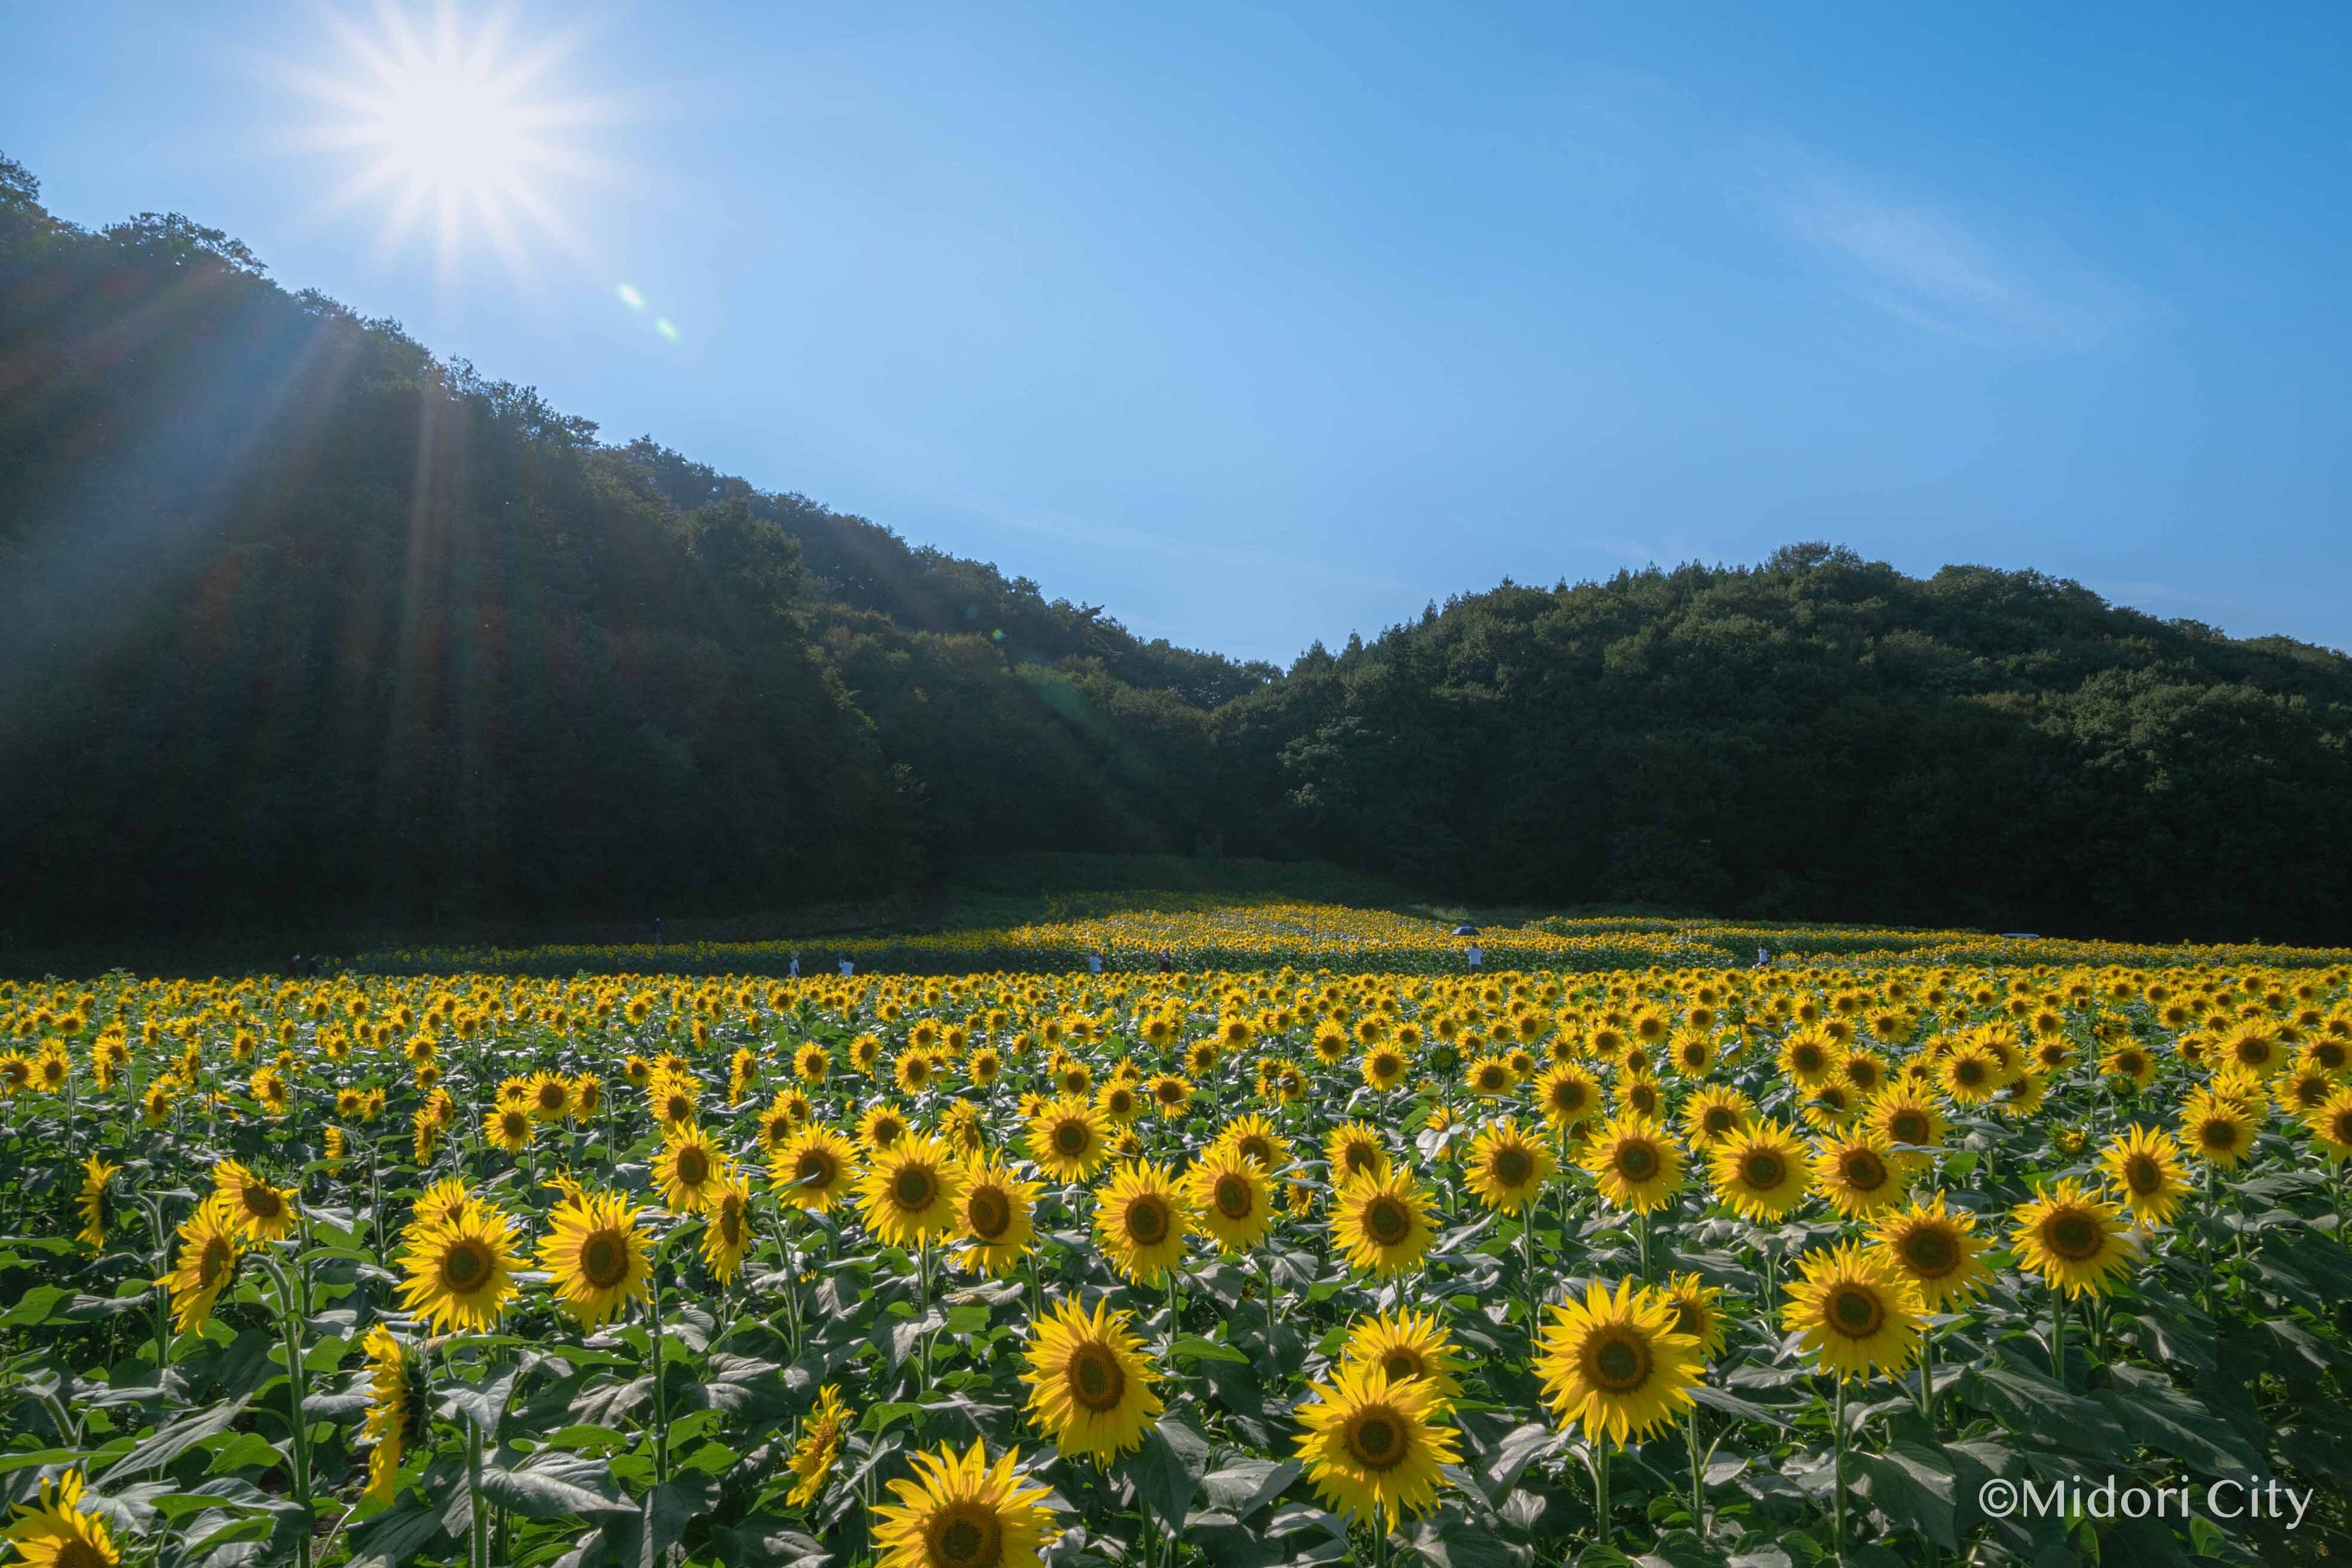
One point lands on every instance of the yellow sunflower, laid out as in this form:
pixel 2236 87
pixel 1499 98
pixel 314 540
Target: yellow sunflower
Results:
pixel 1714 1114
pixel 1381 1222
pixel 1698 1310
pixel 1090 1384
pixel 1374 1449
pixel 1354 1150
pixel 1568 1095
pixel 263 1212
pixel 911 1192
pixel 993 1216
pixel 2216 1130
pixel 726 1227
pixel 818 1446
pixel 1617 1364
pixel 1404 1344
pixel 1858 1175
pixel 1067 1138
pixel 385 1429
pixel 1506 1168
pixel 1637 1163
pixel 881 1126
pixel 94 1204
pixel 1763 1171
pixel 1905 1121
pixel 1936 1249
pixel 596 1255
pixel 689 1170
pixel 816 1169
pixel 2144 1164
pixel 550 1096
pixel 211 1239
pixel 508 1127
pixel 1141 1219
pixel 1252 1137
pixel 1855 1311
pixel 960 1511
pixel 58 1532
pixel 1231 1199
pixel 2075 1239
pixel 2331 1126
pixel 461 1269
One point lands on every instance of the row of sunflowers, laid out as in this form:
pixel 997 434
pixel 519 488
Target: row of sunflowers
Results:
pixel 1682 1266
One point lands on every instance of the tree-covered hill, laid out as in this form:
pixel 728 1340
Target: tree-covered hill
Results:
pixel 302 630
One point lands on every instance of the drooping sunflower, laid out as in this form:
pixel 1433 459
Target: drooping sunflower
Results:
pixel 211 1239
pixel 1404 1344
pixel 461 1269
pixel 1506 1168
pixel 1373 1448
pixel 993 1216
pixel 1698 1310
pixel 385 1428
pixel 1715 1114
pixel 1763 1172
pixel 1141 1219
pixel 2144 1164
pixel 95 1204
pixel 58 1532
pixel 2074 1238
pixel 1067 1138
pixel 1855 1311
pixel 265 1212
pixel 596 1255
pixel 689 1170
pixel 1616 1364
pixel 726 1227
pixel 960 1511
pixel 1858 1175
pixel 911 1190
pixel 1354 1150
pixel 1232 1198
pixel 818 1446
pixel 1381 1222
pixel 1090 1384
pixel 1637 1163
pixel 2216 1130
pixel 816 1169
pixel 1936 1248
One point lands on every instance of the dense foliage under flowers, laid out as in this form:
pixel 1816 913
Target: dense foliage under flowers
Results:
pixel 954 1271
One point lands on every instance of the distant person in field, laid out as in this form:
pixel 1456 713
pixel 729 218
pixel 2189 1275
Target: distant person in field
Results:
pixel 657 930
pixel 1167 960
pixel 1477 957
pixel 1094 964
pixel 1762 958
pixel 796 966
pixel 847 969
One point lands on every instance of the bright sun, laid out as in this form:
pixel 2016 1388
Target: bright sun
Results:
pixel 452 122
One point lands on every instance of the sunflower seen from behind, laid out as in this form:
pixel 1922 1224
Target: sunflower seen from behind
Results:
pixel 385 1427
pixel 1374 1449
pixel 960 1510
pixel 1090 1382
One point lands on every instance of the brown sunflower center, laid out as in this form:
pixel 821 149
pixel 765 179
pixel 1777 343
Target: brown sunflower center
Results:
pixel 1233 1196
pixel 1147 1220
pixel 213 1265
pixel 466 1266
pixel 1717 1120
pixel 693 1167
pixel 1908 1127
pixel 2072 1234
pixel 1618 1362
pixel 815 1168
pixel 913 1188
pixel 1401 1363
pixel 605 1258
pixel 1763 1170
pixel 1512 1166
pixel 1070 1139
pixel 1863 1170
pixel 262 1202
pixel 1387 1221
pixel 1359 1157
pixel 1375 1438
pixel 1096 1379
pixel 2143 1175
pixel 966 1534
pixel 1929 1253
pixel 2218 1132
pixel 988 1214
pixel 1856 1310
pixel 1636 1160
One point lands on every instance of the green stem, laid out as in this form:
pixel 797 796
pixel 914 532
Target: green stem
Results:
pixel 1698 1473
pixel 1928 1379
pixel 2058 1337
pixel 1837 1463
pixel 477 1530
pixel 1601 1488
pixel 661 1384
pixel 290 1324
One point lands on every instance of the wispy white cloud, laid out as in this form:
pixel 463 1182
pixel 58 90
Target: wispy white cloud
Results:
pixel 1925 266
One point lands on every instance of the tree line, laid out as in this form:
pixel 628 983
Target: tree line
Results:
pixel 303 629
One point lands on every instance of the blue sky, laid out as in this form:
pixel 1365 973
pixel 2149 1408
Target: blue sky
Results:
pixel 1263 324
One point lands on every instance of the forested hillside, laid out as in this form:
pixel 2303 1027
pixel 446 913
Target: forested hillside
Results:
pixel 302 629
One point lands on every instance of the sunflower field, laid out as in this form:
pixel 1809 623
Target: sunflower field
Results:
pixel 1681 1265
